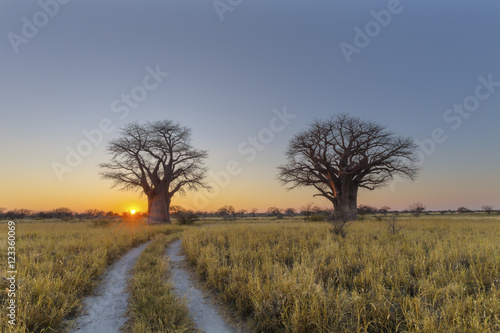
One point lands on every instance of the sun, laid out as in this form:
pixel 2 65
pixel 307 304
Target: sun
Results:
pixel 132 211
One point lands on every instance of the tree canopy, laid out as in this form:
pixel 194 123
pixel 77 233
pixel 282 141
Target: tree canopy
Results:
pixel 158 159
pixel 341 154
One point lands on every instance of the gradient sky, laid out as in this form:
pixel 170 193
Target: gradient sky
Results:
pixel 225 79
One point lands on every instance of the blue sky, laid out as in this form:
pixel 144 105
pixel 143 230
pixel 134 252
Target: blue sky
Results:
pixel 226 77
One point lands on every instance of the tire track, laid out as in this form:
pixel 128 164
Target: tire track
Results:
pixel 105 311
pixel 201 309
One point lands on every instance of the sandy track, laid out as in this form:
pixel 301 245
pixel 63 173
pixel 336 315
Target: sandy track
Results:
pixel 105 311
pixel 203 312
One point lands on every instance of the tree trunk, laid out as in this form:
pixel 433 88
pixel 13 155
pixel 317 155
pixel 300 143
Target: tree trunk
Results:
pixel 160 206
pixel 346 201
pixel 150 202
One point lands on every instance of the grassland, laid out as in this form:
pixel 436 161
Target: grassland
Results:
pixel 438 274
pixel 58 263
pixel 153 305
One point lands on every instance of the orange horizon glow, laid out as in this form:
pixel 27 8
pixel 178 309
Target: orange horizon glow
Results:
pixel 84 190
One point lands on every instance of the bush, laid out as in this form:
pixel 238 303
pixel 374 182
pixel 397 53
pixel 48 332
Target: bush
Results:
pixel 227 213
pixel 275 212
pixel 416 208
pixel 186 217
pixel 339 223
pixel 464 210
pixel 365 209
pixel 317 218
pixel 100 223
pixel 393 225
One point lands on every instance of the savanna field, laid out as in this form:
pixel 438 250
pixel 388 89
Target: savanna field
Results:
pixel 437 274
pixel 58 263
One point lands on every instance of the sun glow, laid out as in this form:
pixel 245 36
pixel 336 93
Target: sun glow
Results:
pixel 132 211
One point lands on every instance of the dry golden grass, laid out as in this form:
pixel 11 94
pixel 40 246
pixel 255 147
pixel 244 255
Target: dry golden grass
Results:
pixel 436 275
pixel 153 306
pixel 58 263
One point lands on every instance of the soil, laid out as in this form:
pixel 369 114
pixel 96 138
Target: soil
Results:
pixel 207 315
pixel 105 310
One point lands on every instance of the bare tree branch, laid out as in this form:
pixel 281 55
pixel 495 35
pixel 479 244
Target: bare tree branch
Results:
pixel 339 155
pixel 157 158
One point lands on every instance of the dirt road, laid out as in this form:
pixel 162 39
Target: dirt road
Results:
pixel 203 312
pixel 105 311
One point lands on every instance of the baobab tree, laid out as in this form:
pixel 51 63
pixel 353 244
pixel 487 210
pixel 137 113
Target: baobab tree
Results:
pixel 344 153
pixel 158 159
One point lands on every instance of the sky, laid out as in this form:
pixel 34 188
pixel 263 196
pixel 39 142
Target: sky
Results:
pixel 73 72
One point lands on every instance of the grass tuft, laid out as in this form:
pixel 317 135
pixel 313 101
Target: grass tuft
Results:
pixel 153 305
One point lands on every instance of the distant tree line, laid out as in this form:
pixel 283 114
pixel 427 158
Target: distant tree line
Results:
pixel 61 213
pixel 309 211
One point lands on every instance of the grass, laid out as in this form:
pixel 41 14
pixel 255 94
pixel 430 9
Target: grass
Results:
pixel 153 305
pixel 58 263
pixel 436 275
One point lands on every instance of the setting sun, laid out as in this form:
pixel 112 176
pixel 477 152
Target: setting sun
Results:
pixel 132 211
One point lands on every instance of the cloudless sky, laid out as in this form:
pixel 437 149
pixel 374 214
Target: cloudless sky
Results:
pixel 225 79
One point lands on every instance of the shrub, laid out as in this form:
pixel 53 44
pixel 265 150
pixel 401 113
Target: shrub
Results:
pixel 186 217
pixel 365 209
pixel 416 208
pixel 393 225
pixel 227 213
pixel 100 223
pixel 275 212
pixel 464 210
pixel 339 223
pixel 317 218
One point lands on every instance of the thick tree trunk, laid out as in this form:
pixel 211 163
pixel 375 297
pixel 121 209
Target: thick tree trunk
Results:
pixel 160 207
pixel 150 203
pixel 346 201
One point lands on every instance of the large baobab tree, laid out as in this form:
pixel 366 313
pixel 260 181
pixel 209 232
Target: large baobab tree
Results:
pixel 156 158
pixel 344 153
